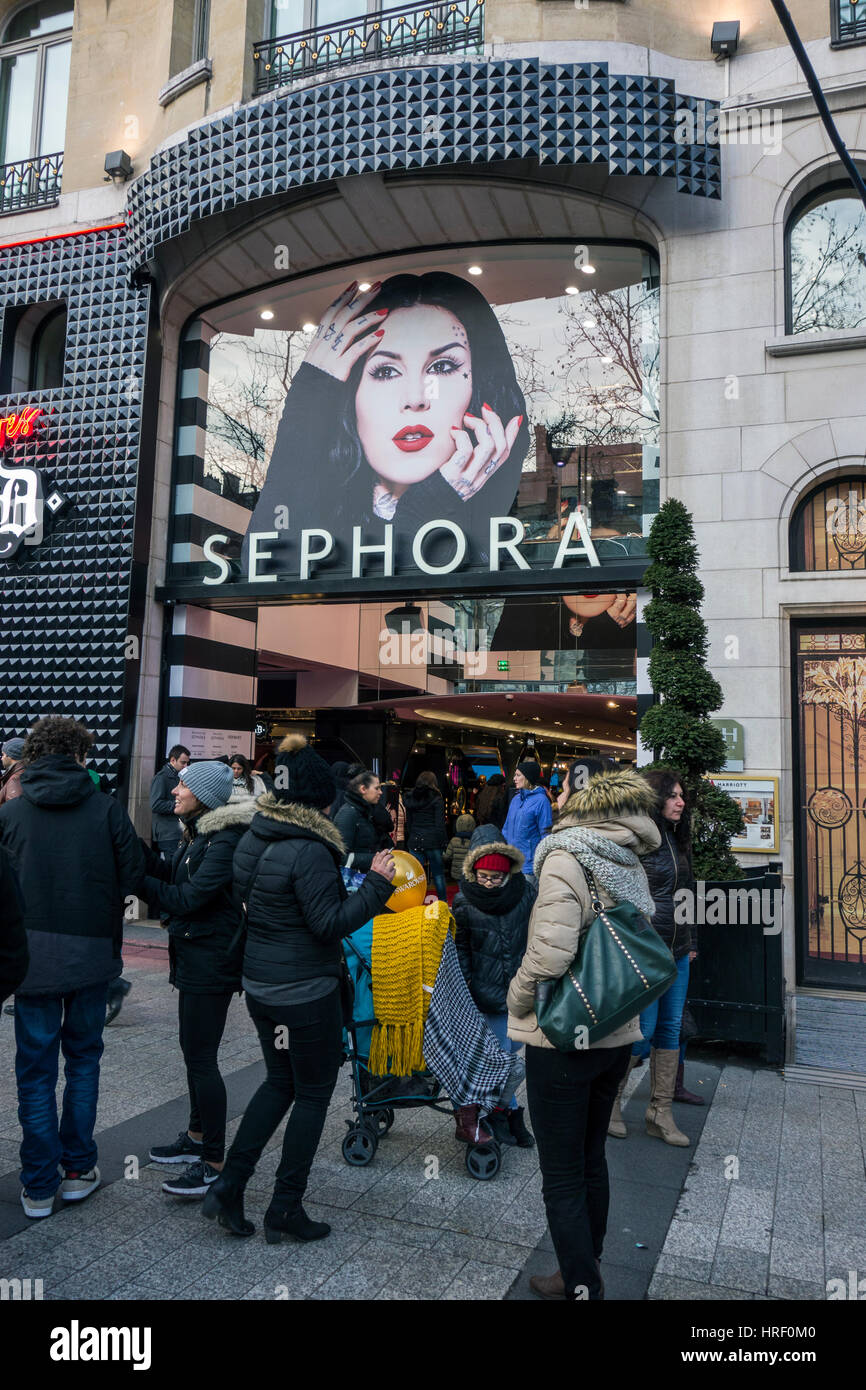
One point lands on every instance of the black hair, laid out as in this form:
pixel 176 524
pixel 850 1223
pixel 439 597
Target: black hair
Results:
pixel 494 382
pixel 246 775
pixel 361 780
pixel 177 750
pixel 581 769
pixel 663 780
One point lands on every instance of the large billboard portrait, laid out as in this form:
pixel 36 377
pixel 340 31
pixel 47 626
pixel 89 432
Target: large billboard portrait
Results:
pixel 405 410
pixel 453 417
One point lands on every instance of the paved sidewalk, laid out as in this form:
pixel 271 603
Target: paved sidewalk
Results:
pixel 774 1202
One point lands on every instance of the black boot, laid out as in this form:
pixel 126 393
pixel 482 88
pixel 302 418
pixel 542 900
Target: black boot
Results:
pixel 522 1136
pixel 224 1202
pixel 281 1220
pixel 497 1123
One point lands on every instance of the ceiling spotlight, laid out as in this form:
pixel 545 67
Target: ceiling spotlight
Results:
pixel 309 328
pixel 266 314
pixel 364 286
pixel 612 704
pixel 621 492
pixel 725 38
pixel 587 269
pixel 474 270
pixel 588 323
pixel 572 289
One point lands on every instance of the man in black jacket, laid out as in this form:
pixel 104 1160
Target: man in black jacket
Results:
pixel 166 828
pixel 14 956
pixel 77 856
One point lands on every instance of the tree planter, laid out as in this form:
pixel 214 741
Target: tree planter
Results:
pixel 736 985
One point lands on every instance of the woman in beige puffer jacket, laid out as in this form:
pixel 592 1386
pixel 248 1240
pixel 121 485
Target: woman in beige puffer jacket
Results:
pixel 605 824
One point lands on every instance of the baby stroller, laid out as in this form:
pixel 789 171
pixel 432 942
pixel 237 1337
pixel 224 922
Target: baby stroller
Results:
pixel 376 1100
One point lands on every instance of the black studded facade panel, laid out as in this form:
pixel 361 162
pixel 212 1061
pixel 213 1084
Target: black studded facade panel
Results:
pixel 65 602
pixel 413 118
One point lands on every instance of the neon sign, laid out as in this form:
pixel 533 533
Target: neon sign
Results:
pixel 22 500
pixel 19 426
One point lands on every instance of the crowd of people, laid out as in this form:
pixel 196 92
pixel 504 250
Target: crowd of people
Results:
pixel 248 874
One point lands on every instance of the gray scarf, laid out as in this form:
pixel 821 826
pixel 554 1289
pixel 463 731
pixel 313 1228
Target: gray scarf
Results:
pixel 615 868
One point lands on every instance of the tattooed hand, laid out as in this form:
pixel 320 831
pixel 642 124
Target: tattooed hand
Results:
pixel 475 461
pixel 346 333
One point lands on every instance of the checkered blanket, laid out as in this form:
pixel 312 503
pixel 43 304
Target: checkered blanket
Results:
pixel 459 1048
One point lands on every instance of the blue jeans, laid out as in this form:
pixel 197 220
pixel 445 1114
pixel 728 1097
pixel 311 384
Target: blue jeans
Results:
pixel 660 1024
pixel 498 1025
pixel 437 871
pixel 43 1025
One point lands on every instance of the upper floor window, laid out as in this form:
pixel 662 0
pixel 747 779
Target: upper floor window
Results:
pixel 34 80
pixel 828 528
pixel 848 21
pixel 826 261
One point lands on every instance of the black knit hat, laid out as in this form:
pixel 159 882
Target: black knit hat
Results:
pixel 531 771
pixel 301 775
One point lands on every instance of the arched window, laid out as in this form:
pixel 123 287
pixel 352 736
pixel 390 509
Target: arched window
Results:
pixel 34 347
pixel 48 351
pixel 828 528
pixel 826 261
pixel 34 80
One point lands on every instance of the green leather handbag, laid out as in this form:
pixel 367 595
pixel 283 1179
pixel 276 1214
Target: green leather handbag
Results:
pixel 621 967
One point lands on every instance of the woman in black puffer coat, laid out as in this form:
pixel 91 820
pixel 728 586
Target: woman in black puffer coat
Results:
pixel 362 827
pixel 195 893
pixel 287 872
pixel 426 836
pixel 492 911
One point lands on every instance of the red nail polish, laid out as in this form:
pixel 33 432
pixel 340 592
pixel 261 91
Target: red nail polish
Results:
pixel 382 312
pixel 380 333
pixel 485 406
pixel 519 421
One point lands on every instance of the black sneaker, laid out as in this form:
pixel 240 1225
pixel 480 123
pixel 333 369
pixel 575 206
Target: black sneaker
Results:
pixel 193 1182
pixel 183 1150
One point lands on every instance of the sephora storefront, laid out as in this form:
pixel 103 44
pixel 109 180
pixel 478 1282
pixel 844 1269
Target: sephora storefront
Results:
pixel 414 501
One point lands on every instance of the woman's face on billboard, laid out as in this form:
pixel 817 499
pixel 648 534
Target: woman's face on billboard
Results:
pixel 415 388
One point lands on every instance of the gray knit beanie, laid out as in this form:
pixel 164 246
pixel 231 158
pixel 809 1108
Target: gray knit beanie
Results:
pixel 211 782
pixel 13 748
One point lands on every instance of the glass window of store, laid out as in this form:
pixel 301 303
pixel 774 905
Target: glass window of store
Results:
pixel 496 392
pixel 34 81
pixel 826 262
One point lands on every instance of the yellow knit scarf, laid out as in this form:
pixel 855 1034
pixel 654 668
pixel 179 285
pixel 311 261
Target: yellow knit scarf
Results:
pixel 407 948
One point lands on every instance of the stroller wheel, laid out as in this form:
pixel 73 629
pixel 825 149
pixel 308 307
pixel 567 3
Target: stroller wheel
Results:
pixel 380 1120
pixel 483 1161
pixel 359 1146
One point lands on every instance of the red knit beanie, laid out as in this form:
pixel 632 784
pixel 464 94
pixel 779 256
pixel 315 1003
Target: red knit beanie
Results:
pixel 496 863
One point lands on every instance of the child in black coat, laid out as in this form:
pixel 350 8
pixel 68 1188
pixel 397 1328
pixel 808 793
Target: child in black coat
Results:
pixel 492 911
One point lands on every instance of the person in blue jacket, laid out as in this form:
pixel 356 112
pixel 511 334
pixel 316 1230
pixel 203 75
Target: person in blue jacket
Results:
pixel 529 815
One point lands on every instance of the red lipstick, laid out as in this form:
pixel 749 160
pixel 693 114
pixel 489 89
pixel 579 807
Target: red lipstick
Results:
pixel 413 438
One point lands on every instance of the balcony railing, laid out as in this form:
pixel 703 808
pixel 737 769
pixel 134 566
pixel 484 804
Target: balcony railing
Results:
pixel 849 21
pixel 451 26
pixel 31 183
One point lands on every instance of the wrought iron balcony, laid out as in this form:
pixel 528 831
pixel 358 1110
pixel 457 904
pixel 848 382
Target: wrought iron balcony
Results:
pixel 31 183
pixel 449 26
pixel 849 21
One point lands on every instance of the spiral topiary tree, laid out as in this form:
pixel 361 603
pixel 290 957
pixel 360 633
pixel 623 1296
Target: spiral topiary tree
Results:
pixel 678 729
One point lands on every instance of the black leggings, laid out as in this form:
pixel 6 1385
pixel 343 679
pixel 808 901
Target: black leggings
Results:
pixel 303 1049
pixel 570 1097
pixel 202 1019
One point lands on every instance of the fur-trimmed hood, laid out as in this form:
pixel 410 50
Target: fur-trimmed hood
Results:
pixel 303 818
pixel 488 840
pixel 238 811
pixel 610 796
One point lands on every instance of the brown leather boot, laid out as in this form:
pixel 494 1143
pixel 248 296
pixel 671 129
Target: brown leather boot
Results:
pixel 616 1125
pixel 660 1122
pixel 469 1129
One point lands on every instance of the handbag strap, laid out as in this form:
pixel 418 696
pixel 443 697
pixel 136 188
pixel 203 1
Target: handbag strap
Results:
pixel 597 904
